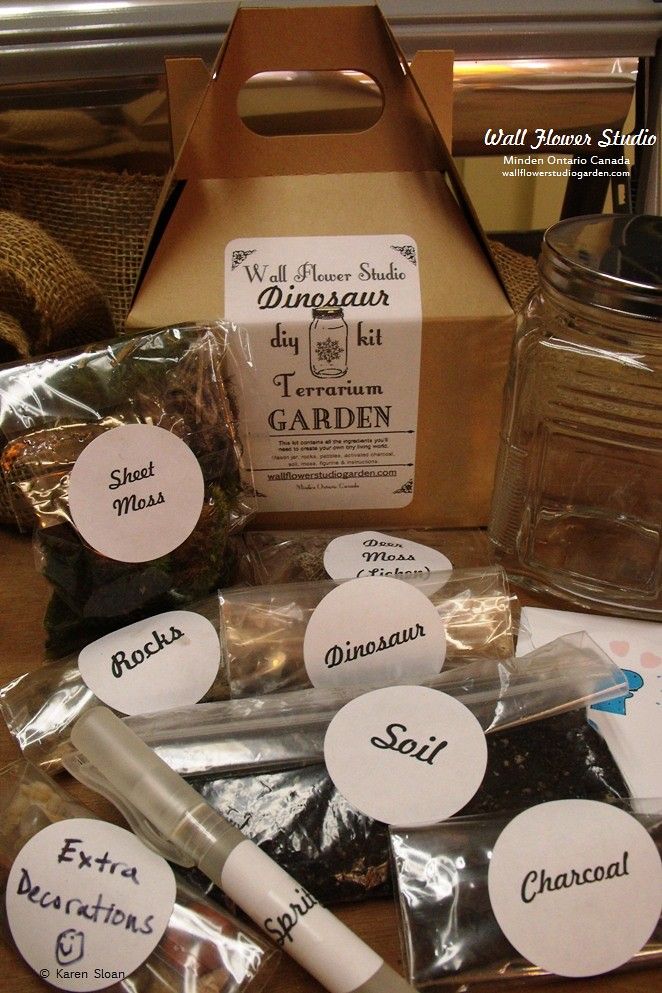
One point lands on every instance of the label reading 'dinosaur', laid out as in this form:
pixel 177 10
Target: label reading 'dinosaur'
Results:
pixel 371 553
pixel 374 632
pixel 87 903
pixel 576 886
pixel 335 332
pixel 165 661
pixel 406 754
pixel 136 492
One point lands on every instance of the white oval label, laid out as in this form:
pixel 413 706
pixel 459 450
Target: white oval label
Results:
pixel 371 553
pixel 164 661
pixel 576 886
pixel 136 492
pixel 374 632
pixel 87 903
pixel 406 754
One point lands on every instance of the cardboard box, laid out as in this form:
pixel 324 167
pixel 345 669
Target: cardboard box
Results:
pixel 379 327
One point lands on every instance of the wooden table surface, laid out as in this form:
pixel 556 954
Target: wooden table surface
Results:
pixel 23 596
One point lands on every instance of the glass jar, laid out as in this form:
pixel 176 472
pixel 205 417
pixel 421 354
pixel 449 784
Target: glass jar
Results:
pixel 328 343
pixel 577 505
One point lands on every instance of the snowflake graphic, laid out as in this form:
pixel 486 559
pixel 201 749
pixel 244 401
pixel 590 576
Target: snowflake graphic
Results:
pixel 328 350
pixel 239 256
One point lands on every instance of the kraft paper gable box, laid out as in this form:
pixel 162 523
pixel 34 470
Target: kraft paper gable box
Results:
pixel 379 330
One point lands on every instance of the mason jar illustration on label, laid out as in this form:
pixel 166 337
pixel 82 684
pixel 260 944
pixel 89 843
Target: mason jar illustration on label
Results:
pixel 328 343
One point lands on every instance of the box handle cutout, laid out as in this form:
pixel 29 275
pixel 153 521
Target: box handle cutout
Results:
pixel 308 40
pixel 292 102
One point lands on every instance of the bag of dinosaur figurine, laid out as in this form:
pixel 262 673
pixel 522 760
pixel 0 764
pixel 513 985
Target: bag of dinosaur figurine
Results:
pixel 128 454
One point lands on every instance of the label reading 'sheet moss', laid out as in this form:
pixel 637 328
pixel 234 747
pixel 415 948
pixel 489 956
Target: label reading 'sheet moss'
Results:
pixel 136 492
pixel 331 405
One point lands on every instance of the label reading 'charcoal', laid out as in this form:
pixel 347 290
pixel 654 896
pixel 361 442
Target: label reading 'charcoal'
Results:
pixel 576 886
pixel 331 402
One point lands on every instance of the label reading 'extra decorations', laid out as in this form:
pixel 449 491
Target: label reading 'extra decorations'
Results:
pixel 406 754
pixel 335 328
pixel 164 661
pixel 576 886
pixel 371 553
pixel 373 632
pixel 136 492
pixel 87 903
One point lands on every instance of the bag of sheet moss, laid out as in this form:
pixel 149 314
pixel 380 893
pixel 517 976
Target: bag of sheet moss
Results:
pixel 128 455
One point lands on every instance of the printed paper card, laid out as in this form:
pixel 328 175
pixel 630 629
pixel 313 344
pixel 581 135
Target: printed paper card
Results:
pixel 632 724
pixel 335 333
pixel 168 660
pixel 406 754
pixel 576 886
pixel 87 903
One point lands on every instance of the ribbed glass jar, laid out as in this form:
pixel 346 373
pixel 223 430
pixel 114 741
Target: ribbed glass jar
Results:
pixel 577 505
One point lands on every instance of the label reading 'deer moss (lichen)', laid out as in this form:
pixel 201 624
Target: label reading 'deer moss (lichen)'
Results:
pixel 335 334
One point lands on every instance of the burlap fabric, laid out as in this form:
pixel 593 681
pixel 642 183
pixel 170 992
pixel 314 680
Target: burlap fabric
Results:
pixel 47 300
pixel 100 218
pixel 71 245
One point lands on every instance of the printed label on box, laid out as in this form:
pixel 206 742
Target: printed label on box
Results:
pixel 406 754
pixel 164 661
pixel 575 886
pixel 87 903
pixel 335 334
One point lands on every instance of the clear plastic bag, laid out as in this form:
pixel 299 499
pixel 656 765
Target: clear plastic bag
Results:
pixel 298 556
pixel 40 707
pixel 337 853
pixel 287 729
pixel 204 949
pixel 263 628
pixel 260 761
pixel 180 379
pixel 450 936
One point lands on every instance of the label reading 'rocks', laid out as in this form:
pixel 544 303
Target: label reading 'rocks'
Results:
pixel 164 661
